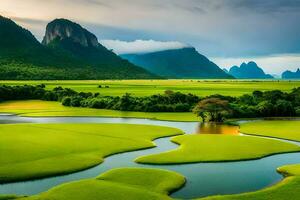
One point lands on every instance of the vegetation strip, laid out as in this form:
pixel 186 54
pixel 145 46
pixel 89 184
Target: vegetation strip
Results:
pixel 151 87
pixel 212 108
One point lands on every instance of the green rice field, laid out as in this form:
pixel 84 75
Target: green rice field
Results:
pixel 150 87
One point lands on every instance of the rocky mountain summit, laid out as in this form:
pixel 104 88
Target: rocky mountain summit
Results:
pixel 62 29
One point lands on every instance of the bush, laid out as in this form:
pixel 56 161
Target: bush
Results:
pixel 76 101
pixel 66 101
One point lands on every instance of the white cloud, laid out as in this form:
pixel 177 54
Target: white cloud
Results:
pixel 141 46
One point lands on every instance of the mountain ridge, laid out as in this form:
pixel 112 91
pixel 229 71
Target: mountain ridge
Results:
pixel 22 56
pixel 184 62
pixel 249 70
pixel 291 75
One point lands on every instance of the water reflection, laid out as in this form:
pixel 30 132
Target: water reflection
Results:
pixel 217 128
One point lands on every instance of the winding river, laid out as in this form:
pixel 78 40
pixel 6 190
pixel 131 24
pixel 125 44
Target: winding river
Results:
pixel 203 179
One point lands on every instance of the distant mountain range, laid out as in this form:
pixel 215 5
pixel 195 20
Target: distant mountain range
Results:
pixel 178 63
pixel 248 71
pixel 68 51
pixel 291 75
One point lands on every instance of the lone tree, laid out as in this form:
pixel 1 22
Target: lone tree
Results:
pixel 212 109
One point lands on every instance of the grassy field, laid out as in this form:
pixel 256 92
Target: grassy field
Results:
pixel 123 183
pixel 279 129
pixel 52 149
pixel 208 148
pixel 36 108
pixel 149 87
pixel 288 189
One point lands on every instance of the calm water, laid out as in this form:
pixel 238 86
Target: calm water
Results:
pixel 203 179
pixel 217 128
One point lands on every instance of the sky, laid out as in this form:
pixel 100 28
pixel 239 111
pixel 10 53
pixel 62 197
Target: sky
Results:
pixel 226 31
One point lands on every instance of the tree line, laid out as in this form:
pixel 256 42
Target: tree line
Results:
pixel 273 103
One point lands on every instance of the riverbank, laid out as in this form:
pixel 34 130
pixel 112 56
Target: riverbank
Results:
pixel 38 108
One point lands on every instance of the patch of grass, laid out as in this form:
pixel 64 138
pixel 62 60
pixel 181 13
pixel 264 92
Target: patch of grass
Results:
pixel 288 189
pixel 209 148
pixel 285 129
pixel 37 108
pixel 123 183
pixel 150 87
pixel 53 149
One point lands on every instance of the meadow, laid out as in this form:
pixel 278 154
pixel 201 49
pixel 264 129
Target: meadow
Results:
pixel 84 145
pixel 123 183
pixel 284 129
pixel 218 148
pixel 233 147
pixel 150 87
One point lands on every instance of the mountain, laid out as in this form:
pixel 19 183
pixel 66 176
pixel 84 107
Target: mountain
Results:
pixel 178 63
pixel 18 44
pixel 291 75
pixel 225 70
pixel 249 71
pixel 68 52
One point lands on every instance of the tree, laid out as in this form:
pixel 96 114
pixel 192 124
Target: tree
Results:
pixel 126 102
pixel 265 109
pixel 284 108
pixel 212 109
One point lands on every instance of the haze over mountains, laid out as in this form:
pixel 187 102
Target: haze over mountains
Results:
pixel 68 52
pixel 178 63
pixel 248 71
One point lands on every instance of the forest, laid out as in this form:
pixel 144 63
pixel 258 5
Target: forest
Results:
pixel 273 103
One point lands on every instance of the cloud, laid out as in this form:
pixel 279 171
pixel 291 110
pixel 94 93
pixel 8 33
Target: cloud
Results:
pixel 141 46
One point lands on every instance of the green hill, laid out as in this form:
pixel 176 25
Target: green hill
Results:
pixel 22 56
pixel 178 63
